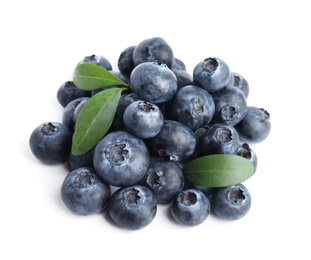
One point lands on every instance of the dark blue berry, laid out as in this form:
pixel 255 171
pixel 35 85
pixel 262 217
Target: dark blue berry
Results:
pixel 190 208
pixel 165 179
pixel 183 78
pixel 84 192
pixel 231 203
pixel 245 151
pixel 220 139
pixel 97 60
pixel 255 126
pixel 153 49
pixel 192 106
pixel 238 81
pixel 212 74
pixel 175 141
pixel 121 159
pixel 51 142
pixel 125 62
pixel 153 82
pixel 178 65
pixel 68 92
pixel 143 119
pixel 230 106
pixel 69 110
pixel 133 207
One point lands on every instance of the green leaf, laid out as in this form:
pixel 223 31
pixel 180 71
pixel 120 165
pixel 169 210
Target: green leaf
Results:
pixel 94 120
pixel 218 170
pixel 88 76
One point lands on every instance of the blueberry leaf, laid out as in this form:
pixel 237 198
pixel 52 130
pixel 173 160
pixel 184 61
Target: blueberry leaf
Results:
pixel 95 119
pixel 218 170
pixel 88 76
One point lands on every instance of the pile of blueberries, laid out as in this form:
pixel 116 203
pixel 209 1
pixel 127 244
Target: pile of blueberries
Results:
pixel 166 119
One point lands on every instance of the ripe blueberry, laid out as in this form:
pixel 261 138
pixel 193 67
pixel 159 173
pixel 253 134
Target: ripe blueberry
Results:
pixel 192 106
pixel 133 207
pixel 84 192
pixel 121 159
pixel 97 60
pixel 190 207
pixel 51 142
pixel 153 49
pixel 153 82
pixel 220 139
pixel 212 74
pixel 255 126
pixel 143 119
pixel 68 92
pixel 231 203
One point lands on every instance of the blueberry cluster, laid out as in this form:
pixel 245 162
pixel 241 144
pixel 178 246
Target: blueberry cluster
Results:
pixel 166 119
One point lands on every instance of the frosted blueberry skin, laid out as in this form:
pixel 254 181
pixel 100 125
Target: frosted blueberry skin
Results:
pixel 124 102
pixel 84 193
pixel 143 119
pixel 231 203
pixel 153 49
pixel 255 126
pixel 190 207
pixel 230 106
pixel 69 110
pixel 97 60
pixel 121 159
pixel 192 106
pixel 164 178
pixel 212 74
pixel 178 65
pixel 245 151
pixel 125 61
pixel 133 207
pixel 68 92
pixel 153 82
pixel 175 141
pixel 51 142
pixel 239 82
pixel 220 139
pixel 183 78
pixel 82 160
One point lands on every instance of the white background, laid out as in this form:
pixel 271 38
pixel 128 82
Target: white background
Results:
pixel 268 42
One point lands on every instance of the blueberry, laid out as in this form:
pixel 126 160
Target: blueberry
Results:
pixel 69 110
pixel 121 159
pixel 255 126
pixel 220 139
pixel 68 92
pixel 83 160
pixel 153 49
pixel 212 74
pixel 153 82
pixel 183 78
pixel 165 179
pixel 51 142
pixel 124 102
pixel 238 81
pixel 190 208
pixel 245 151
pixel 84 192
pixel 125 61
pixel 230 106
pixel 192 106
pixel 231 203
pixel 119 76
pixel 97 60
pixel 175 141
pixel 178 65
pixel 133 207
pixel 143 119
